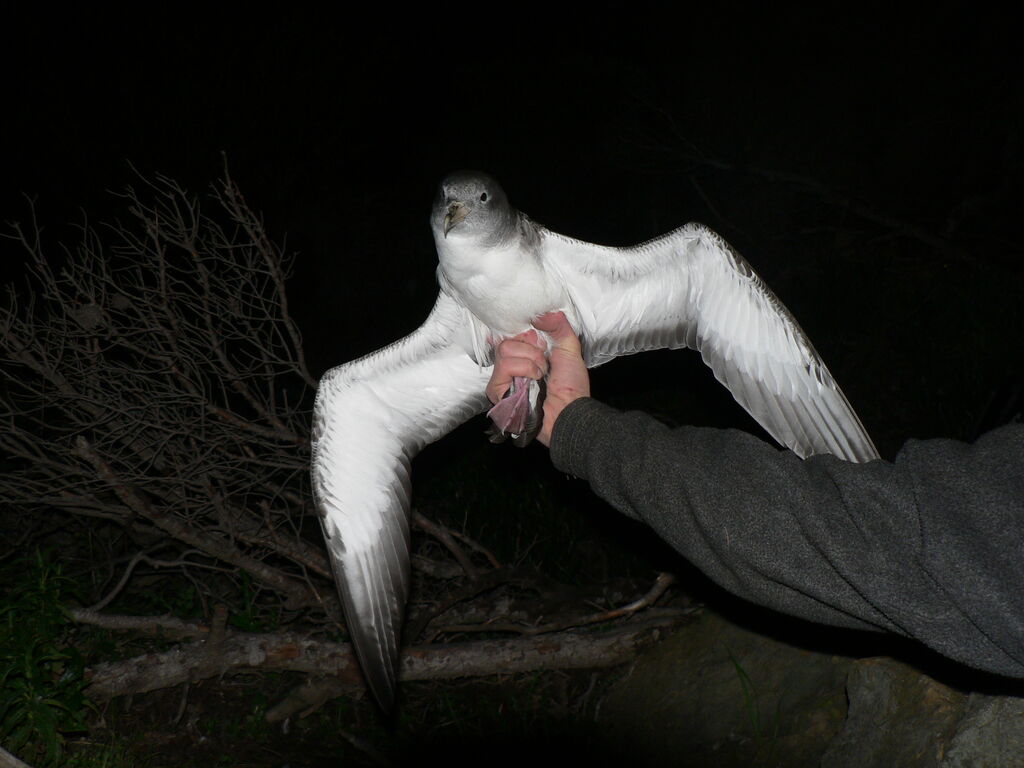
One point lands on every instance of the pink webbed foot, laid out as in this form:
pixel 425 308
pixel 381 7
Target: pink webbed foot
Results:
pixel 510 414
pixel 515 415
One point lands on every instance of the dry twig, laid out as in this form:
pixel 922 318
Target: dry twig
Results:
pixel 662 583
pixel 154 379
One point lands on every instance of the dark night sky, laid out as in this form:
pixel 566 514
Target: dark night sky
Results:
pixel 607 128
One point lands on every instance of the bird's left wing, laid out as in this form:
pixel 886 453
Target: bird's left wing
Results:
pixel 689 288
pixel 371 417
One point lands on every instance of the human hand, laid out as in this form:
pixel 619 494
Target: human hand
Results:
pixel 524 355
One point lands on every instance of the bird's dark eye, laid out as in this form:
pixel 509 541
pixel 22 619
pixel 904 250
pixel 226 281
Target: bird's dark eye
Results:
pixel 483 197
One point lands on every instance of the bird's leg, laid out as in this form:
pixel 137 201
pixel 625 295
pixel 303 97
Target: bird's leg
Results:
pixel 519 413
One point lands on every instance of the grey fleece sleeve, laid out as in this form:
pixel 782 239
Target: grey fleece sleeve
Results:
pixel 930 546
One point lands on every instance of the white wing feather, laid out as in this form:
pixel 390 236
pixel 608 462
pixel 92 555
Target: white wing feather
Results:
pixel 371 417
pixel 689 288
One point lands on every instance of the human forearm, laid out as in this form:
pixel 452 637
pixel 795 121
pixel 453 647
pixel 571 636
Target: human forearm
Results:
pixel 759 521
pixel 927 547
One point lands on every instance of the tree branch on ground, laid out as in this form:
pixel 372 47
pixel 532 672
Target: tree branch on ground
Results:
pixel 299 652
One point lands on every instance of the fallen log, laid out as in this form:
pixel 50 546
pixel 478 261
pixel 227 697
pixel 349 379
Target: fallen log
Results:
pixel 297 652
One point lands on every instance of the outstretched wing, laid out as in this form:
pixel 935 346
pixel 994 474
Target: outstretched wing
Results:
pixel 371 417
pixel 689 288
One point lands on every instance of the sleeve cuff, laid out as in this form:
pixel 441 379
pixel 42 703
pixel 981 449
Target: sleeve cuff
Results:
pixel 575 432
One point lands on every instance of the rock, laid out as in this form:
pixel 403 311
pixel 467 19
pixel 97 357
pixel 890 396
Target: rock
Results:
pixel 714 693
pixel 897 716
pixel 991 732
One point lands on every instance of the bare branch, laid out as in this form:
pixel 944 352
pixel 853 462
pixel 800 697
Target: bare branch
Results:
pixel 443 535
pixel 477 547
pixel 662 583
pixel 96 607
pixel 148 625
pixel 152 377
pixel 212 544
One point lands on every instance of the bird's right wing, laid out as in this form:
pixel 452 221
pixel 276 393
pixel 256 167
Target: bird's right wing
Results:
pixel 689 288
pixel 371 417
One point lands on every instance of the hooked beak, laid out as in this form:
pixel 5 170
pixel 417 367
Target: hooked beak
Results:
pixel 456 213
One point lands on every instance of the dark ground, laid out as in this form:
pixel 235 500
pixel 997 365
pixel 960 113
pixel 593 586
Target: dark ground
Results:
pixel 869 166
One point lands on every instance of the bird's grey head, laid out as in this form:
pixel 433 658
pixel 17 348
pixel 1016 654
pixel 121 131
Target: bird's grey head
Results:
pixel 471 203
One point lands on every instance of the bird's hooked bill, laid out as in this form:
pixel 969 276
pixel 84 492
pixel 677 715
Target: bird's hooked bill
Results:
pixel 456 212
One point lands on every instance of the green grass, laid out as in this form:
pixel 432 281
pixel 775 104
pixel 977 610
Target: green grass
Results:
pixel 765 738
pixel 113 753
pixel 42 687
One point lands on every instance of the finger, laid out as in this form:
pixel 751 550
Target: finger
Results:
pixel 512 348
pixel 508 369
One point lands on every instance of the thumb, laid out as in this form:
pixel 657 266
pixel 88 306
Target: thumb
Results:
pixel 558 327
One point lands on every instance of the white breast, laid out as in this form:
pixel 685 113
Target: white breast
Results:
pixel 503 287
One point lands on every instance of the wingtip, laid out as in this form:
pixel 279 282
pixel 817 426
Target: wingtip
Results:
pixel 382 688
pixel 378 666
pixel 378 654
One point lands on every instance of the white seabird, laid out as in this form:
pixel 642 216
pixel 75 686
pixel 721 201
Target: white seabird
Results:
pixel 498 271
